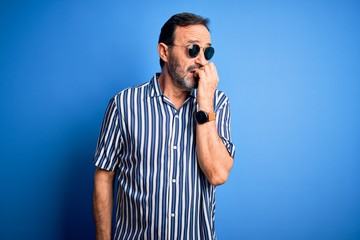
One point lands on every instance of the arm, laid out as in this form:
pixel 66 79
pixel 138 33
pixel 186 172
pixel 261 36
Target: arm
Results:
pixel 213 156
pixel 103 202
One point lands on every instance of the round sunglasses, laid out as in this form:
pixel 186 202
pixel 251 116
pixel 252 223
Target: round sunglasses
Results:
pixel 194 50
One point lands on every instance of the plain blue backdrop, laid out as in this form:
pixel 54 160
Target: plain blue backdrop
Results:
pixel 290 68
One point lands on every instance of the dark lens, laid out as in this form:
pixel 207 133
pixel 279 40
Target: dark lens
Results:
pixel 193 50
pixel 209 53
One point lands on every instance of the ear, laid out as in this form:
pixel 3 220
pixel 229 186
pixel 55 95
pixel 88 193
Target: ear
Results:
pixel 163 51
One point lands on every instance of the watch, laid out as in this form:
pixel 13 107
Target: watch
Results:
pixel 202 117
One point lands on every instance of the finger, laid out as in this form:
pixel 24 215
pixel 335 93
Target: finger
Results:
pixel 199 72
pixel 212 67
pixel 207 69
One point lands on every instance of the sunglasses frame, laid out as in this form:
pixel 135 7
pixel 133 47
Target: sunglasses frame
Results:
pixel 190 48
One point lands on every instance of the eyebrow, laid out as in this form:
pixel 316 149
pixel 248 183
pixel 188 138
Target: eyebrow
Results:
pixel 197 41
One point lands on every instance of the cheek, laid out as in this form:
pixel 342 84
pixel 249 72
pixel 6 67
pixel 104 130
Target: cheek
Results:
pixel 184 68
pixel 189 66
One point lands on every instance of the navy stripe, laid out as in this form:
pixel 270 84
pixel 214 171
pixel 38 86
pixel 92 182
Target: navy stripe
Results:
pixel 162 193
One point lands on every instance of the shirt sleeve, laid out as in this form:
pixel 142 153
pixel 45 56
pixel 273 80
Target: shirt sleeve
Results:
pixel 108 145
pixel 224 123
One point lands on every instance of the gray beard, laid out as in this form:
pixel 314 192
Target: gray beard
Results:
pixel 178 79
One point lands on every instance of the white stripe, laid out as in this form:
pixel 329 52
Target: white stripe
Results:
pixel 138 119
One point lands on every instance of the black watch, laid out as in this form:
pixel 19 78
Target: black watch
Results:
pixel 202 117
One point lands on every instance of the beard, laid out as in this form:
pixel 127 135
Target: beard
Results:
pixel 181 78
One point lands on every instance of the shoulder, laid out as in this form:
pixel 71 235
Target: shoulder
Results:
pixel 131 93
pixel 221 100
pixel 133 90
pixel 220 95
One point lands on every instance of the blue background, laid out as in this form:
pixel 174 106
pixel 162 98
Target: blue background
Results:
pixel 290 68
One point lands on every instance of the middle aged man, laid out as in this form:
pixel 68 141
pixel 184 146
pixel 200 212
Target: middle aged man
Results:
pixel 168 142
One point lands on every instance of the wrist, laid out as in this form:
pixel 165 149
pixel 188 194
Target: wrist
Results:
pixel 206 107
pixel 202 117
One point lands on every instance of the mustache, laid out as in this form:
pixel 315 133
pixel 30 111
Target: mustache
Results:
pixel 193 68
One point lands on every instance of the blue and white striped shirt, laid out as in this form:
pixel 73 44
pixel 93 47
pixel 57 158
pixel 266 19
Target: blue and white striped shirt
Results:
pixel 162 192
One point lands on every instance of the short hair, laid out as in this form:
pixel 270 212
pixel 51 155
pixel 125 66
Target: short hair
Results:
pixel 167 33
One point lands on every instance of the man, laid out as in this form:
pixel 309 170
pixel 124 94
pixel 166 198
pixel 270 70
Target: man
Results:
pixel 168 143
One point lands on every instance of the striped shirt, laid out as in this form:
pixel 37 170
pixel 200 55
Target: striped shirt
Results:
pixel 162 192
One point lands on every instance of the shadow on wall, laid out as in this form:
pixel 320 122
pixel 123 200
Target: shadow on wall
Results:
pixel 77 183
pixel 77 217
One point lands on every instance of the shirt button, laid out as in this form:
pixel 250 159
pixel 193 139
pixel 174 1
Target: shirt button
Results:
pixel 172 214
pixel 175 147
pixel 174 180
pixel 176 116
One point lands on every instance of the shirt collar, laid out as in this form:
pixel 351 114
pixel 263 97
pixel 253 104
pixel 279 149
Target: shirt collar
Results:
pixel 155 90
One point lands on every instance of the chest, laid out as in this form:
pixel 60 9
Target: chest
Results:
pixel 156 127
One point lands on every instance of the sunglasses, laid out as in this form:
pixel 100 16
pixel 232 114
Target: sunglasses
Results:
pixel 194 50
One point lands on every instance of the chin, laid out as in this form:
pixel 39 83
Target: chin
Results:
pixel 194 84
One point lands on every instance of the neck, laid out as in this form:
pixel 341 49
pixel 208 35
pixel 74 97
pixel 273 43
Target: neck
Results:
pixel 176 95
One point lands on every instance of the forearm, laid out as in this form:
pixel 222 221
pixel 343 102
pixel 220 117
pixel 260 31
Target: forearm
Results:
pixel 103 203
pixel 213 157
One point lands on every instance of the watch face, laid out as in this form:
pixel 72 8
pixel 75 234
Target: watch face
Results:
pixel 201 117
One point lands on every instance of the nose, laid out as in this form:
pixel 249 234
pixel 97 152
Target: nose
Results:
pixel 200 58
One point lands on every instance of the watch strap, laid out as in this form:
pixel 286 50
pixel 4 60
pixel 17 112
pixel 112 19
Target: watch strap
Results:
pixel 211 116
